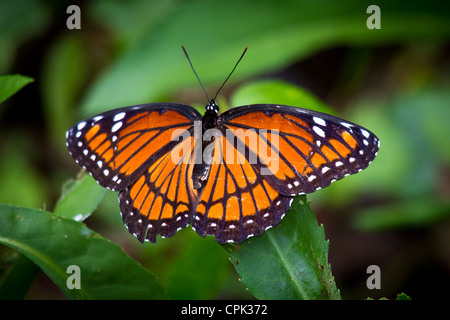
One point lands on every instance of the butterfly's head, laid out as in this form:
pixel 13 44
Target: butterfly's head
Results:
pixel 212 106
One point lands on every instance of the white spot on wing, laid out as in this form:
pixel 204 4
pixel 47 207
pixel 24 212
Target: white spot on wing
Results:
pixel 116 126
pixel 347 125
pixel 119 116
pixel 365 133
pixel 81 125
pixel 319 131
pixel 319 121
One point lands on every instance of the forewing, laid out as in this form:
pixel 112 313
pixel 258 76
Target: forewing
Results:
pixel 118 146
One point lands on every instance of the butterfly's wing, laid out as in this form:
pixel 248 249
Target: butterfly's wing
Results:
pixel 130 149
pixel 307 150
pixel 277 152
pixel 236 202
pixel 118 146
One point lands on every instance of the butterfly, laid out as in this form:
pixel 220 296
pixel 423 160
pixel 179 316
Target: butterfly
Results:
pixel 231 175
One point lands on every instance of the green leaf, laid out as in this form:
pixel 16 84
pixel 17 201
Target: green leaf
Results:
pixel 400 296
pixel 215 33
pixel 197 254
pixel 79 198
pixel 20 23
pixel 289 261
pixel 277 92
pixel 21 182
pixel 55 243
pixel 17 273
pixel 10 84
pixel 419 212
pixel 65 73
pixel 403 296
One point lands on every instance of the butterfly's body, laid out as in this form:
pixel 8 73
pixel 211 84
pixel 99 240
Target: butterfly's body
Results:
pixel 203 160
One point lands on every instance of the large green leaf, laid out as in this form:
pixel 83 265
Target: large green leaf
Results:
pixel 55 243
pixel 277 92
pixel 289 261
pixel 216 32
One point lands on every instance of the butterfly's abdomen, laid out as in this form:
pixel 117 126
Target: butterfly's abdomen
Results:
pixel 203 157
pixel 201 168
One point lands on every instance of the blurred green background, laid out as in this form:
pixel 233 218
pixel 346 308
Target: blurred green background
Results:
pixel 394 81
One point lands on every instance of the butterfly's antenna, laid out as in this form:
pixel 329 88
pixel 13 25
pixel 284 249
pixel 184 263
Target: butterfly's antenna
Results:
pixel 192 67
pixel 245 50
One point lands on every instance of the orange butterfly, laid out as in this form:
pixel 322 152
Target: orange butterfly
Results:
pixel 232 175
